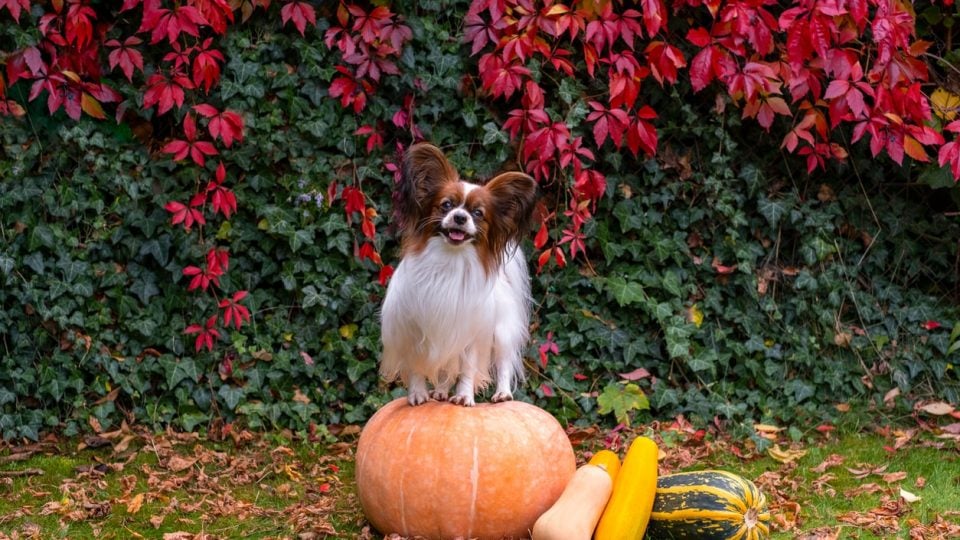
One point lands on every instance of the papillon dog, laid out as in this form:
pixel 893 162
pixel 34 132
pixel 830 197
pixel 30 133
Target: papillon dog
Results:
pixel 457 307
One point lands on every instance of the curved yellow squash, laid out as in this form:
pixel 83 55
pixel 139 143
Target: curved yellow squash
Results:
pixel 608 461
pixel 628 511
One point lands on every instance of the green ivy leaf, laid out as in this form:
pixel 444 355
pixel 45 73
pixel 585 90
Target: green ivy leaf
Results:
pixel 492 134
pixel 621 400
pixel 311 297
pixel 772 210
pixel 231 395
pixel 35 262
pixel 625 292
pixel 179 370
pixel 6 264
pixel 300 238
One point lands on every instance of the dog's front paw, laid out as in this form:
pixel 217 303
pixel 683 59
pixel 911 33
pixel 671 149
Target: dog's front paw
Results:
pixel 440 395
pixel 501 397
pixel 462 399
pixel 417 397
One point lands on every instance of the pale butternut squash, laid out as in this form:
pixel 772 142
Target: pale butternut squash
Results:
pixel 628 512
pixel 575 514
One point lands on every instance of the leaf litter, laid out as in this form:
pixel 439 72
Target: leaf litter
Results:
pixel 190 483
pixel 175 482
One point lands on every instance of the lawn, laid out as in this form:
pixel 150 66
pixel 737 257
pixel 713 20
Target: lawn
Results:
pixel 854 482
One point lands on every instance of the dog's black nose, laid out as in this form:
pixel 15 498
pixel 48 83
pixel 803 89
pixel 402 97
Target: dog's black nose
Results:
pixel 459 219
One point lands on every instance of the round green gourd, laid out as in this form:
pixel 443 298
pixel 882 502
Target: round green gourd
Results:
pixel 708 505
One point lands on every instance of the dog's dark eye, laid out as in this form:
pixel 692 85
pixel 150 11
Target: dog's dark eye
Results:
pixel 478 212
pixel 446 206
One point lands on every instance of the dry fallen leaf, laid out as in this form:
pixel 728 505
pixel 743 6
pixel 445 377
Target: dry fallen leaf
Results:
pixel 907 496
pixel 832 460
pixel 785 456
pixel 300 397
pixel 135 503
pixel 936 408
pixel 864 470
pixel 180 463
pixel 821 533
pixel 894 477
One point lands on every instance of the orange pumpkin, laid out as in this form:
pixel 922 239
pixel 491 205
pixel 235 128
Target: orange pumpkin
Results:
pixel 444 471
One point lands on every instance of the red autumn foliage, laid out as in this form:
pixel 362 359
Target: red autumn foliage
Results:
pixel 78 45
pixel 815 65
pixel 810 67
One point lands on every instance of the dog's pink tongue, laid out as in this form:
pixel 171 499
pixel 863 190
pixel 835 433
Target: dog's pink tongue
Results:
pixel 457 236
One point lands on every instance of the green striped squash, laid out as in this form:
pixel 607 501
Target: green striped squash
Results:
pixel 708 505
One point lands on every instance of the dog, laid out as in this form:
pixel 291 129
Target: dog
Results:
pixel 457 308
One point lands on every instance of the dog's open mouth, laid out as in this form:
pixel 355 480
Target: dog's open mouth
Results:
pixel 457 236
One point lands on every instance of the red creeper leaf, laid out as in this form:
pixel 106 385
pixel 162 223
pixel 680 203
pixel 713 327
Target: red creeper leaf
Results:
pixel 234 312
pixel 301 13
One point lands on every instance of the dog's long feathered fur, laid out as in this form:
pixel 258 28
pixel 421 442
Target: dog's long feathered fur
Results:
pixel 457 306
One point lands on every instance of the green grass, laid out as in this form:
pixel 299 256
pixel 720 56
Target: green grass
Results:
pixel 246 493
pixel 255 490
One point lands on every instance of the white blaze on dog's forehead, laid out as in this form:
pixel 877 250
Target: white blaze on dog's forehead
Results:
pixel 468 187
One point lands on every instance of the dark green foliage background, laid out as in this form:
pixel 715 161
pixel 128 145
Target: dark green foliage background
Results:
pixel 88 254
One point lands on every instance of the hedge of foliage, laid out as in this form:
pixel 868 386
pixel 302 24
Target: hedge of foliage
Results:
pixel 713 277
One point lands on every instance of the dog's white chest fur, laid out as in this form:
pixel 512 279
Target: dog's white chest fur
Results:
pixel 439 299
pixel 444 319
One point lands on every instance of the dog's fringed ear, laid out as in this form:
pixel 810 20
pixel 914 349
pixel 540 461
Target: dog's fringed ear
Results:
pixel 514 197
pixel 425 170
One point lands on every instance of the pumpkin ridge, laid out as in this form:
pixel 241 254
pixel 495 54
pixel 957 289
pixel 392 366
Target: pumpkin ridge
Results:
pixel 474 486
pixel 403 476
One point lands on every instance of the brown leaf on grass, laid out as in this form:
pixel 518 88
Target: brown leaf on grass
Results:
pixel 937 529
pixel 767 431
pixel 863 470
pixel 820 533
pixel 894 476
pixel 936 408
pixel 178 463
pixel 864 489
pixel 311 518
pixel 124 444
pixel 822 485
pixel 920 482
pixel 156 520
pixel 883 520
pixel 902 436
pixel 950 431
pixel 786 456
pixel 786 515
pixel 135 503
pixel 833 460
pixel 17 456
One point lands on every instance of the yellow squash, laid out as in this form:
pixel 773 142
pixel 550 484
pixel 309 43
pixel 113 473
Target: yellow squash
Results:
pixel 575 514
pixel 607 460
pixel 628 511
